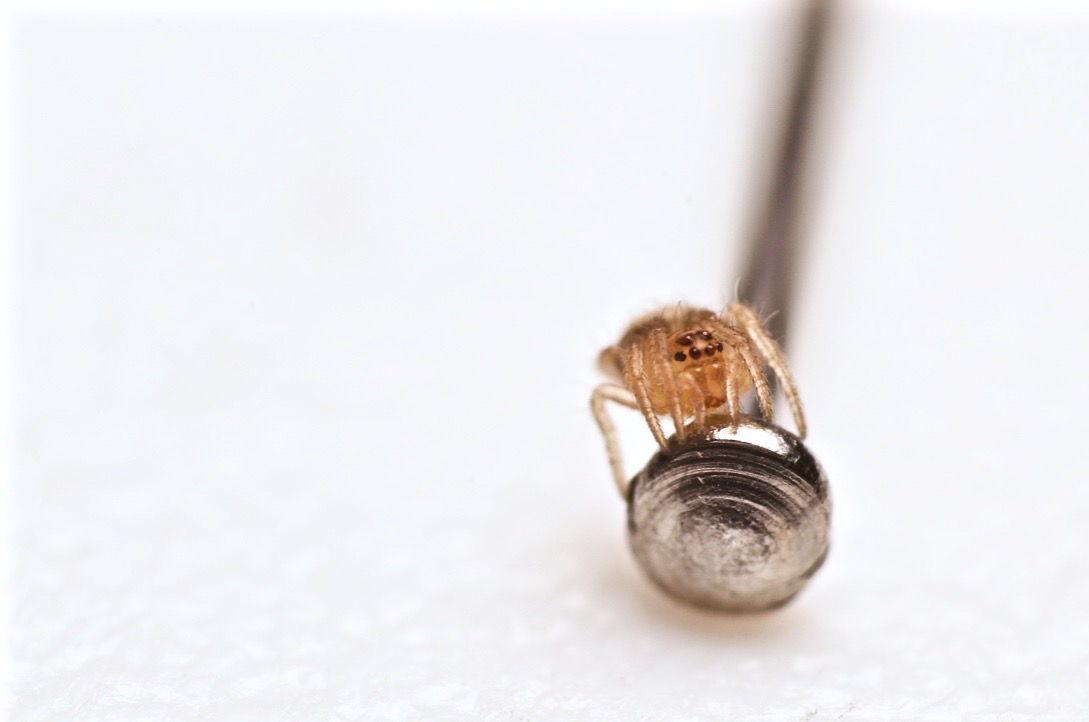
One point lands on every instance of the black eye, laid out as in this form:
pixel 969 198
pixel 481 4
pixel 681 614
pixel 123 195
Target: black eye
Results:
pixel 685 340
pixel 695 353
pixel 710 350
pixel 705 335
pixel 679 356
pixel 719 345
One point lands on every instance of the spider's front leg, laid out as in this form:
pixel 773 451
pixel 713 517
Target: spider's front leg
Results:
pixel 739 342
pixel 733 404
pixel 658 355
pixel 639 376
pixel 747 320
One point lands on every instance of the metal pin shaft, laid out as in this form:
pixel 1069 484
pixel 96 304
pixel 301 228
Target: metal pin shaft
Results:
pixel 768 278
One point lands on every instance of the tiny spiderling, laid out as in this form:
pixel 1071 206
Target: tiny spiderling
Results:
pixel 690 363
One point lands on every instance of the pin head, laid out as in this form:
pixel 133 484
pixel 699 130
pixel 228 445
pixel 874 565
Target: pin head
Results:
pixel 736 522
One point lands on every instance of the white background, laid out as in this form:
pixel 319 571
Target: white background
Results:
pixel 305 322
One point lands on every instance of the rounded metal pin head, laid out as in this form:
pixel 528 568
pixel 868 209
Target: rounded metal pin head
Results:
pixel 737 521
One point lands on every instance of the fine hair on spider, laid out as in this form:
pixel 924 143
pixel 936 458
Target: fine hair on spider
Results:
pixel 694 366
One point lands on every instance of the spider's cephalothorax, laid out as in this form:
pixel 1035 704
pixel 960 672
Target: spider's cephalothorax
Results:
pixel 685 363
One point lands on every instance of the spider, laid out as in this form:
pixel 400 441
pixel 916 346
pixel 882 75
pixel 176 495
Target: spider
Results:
pixel 688 362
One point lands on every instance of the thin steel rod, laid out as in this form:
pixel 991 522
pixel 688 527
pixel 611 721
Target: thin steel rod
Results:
pixel 768 277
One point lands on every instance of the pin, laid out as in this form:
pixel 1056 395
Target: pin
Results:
pixel 733 512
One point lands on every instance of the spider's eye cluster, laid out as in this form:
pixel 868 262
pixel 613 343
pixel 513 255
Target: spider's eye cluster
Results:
pixel 695 352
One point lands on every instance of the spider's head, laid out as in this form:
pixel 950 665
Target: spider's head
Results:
pixel 702 363
pixel 695 347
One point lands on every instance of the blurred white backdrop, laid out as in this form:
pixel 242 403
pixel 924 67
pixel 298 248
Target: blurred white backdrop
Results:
pixel 306 315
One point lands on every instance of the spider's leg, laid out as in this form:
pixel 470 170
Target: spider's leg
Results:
pixel 747 319
pixel 620 395
pixel 740 343
pixel 660 359
pixel 639 383
pixel 732 403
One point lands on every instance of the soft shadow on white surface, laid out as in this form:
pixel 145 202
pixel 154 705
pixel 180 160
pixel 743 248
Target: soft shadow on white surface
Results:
pixel 653 609
pixel 306 321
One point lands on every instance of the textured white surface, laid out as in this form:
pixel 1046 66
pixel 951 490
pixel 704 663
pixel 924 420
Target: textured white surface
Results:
pixel 306 320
